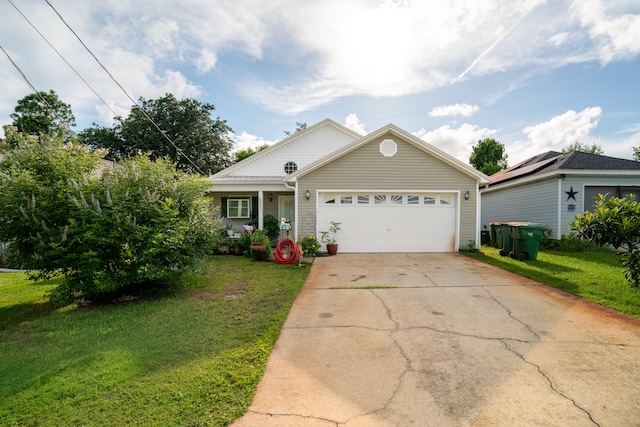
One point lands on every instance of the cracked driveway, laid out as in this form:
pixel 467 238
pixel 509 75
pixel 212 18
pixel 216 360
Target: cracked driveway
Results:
pixel 444 340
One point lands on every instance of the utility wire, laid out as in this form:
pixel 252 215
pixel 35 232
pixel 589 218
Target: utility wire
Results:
pixel 178 150
pixel 62 57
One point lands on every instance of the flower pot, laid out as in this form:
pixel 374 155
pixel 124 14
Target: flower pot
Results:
pixel 332 248
pixel 230 233
pixel 258 247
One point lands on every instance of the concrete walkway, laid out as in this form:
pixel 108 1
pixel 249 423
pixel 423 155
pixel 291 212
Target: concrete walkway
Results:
pixel 443 340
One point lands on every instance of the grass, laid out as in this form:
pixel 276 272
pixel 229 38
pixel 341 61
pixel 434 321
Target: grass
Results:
pixel 189 357
pixel 594 274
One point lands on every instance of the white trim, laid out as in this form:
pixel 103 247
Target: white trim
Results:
pixel 559 224
pixel 478 217
pixel 260 210
pixel 232 188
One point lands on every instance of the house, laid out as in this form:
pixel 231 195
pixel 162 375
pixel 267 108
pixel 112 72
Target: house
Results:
pixel 391 191
pixel 551 188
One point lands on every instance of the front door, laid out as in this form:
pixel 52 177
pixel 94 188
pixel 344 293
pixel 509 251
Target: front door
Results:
pixel 287 209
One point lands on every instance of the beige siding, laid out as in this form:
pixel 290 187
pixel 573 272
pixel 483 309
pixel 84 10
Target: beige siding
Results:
pixel 366 169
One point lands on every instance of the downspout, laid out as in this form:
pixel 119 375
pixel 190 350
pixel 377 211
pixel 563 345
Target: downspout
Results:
pixel 295 207
pixel 478 217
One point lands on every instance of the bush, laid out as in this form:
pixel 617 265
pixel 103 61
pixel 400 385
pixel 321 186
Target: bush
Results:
pixel 309 245
pixel 614 222
pixel 136 225
pixel 271 227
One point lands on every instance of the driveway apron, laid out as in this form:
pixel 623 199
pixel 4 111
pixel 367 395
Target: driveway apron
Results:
pixel 444 340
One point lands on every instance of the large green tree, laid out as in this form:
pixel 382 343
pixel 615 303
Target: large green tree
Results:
pixel 187 134
pixel 583 148
pixel 488 156
pixel 134 224
pixel 43 113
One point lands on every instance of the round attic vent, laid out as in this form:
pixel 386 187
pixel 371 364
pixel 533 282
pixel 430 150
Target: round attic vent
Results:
pixel 290 167
pixel 388 148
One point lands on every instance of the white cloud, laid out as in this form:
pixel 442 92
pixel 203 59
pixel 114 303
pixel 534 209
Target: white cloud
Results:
pixel 614 29
pixel 353 122
pixel 206 61
pixel 246 140
pixel 556 133
pixel 465 110
pixel 457 142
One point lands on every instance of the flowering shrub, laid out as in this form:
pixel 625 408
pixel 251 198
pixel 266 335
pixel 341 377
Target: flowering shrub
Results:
pixel 309 245
pixel 136 225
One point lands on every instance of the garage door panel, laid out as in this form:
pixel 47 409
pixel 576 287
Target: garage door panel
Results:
pixel 393 228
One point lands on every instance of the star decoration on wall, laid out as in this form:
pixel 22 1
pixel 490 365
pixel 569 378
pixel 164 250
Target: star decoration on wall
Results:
pixel 571 194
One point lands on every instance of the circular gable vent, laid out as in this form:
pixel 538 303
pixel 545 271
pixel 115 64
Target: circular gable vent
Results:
pixel 388 148
pixel 290 167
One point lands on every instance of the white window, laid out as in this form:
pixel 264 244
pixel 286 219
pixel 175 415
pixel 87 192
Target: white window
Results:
pixel 363 199
pixel 446 199
pixel 395 199
pixel 346 199
pixel 328 198
pixel 413 200
pixel 429 199
pixel 239 208
pixel 380 199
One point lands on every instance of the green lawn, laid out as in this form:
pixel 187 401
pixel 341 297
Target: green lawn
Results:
pixel 192 357
pixel 594 274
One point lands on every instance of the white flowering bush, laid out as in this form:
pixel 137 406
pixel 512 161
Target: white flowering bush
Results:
pixel 135 225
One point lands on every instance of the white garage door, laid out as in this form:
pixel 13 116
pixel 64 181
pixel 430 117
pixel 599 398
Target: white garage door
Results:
pixel 391 222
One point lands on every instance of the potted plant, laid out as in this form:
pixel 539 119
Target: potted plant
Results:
pixel 329 237
pixel 260 244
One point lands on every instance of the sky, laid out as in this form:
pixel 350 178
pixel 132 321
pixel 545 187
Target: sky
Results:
pixel 535 75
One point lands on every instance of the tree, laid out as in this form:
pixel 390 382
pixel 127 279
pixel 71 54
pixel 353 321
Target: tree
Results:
pixel 299 126
pixel 583 148
pixel 202 144
pixel 43 113
pixel 636 153
pixel 137 224
pixel 247 152
pixel 615 222
pixel 488 156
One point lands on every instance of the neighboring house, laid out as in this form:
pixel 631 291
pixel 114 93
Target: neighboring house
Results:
pixel 391 191
pixel 551 188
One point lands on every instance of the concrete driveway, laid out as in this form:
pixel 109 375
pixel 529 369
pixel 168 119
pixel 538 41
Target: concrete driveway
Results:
pixel 443 340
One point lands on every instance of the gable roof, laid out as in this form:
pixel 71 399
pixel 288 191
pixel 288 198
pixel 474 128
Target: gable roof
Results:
pixel 553 161
pixel 235 170
pixel 402 134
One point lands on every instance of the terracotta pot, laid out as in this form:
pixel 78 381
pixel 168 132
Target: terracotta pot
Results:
pixel 258 247
pixel 332 248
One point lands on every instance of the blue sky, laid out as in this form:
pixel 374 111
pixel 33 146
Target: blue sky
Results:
pixel 535 75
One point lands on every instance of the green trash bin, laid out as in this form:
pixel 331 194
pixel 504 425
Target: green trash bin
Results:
pixel 493 234
pixel 526 240
pixel 507 240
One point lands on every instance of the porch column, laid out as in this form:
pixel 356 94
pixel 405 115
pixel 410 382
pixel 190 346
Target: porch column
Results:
pixel 260 209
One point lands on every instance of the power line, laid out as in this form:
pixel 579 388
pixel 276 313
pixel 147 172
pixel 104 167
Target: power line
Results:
pixel 29 82
pixel 63 58
pixel 178 150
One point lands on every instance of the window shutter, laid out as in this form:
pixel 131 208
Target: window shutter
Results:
pixel 254 207
pixel 223 208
